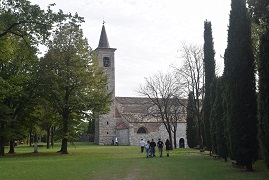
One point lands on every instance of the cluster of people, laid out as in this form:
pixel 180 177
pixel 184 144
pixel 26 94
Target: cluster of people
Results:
pixel 150 146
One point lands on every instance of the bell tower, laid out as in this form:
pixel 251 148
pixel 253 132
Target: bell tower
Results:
pixel 105 124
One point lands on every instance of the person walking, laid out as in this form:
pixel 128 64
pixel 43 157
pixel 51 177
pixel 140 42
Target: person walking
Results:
pixel 142 145
pixel 147 147
pixel 152 148
pixel 160 147
pixel 167 146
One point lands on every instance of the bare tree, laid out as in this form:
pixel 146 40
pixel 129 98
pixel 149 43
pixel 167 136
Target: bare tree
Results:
pixel 191 76
pixel 164 92
pixel 177 114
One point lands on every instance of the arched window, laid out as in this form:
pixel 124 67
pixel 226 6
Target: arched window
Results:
pixel 142 130
pixel 106 62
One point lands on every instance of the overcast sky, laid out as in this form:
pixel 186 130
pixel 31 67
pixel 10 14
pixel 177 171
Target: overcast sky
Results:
pixel 148 33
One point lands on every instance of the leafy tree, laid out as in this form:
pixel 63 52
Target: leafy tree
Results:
pixel 260 14
pixel 91 129
pixel 240 95
pixel 25 24
pixel 263 106
pixel 209 68
pixel 15 67
pixel 81 130
pixel 32 24
pixel 191 130
pixel 71 80
pixel 49 118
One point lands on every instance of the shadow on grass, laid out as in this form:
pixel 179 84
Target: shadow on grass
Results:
pixel 32 154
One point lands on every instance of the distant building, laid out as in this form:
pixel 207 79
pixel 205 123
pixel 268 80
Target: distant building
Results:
pixel 128 120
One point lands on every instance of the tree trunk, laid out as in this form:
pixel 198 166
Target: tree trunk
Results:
pixel 52 136
pixel 11 147
pixel 30 138
pixel 27 139
pixel 2 148
pixel 64 146
pixel 65 129
pixel 35 144
pixel 2 139
pixel 170 138
pixel 35 147
pixel 175 138
pixel 61 146
pixel 48 137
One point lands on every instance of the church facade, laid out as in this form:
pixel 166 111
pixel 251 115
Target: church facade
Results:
pixel 128 120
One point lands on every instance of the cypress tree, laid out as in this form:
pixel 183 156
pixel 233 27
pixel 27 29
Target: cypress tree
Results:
pixel 209 68
pixel 212 119
pixel 240 95
pixel 191 129
pixel 260 15
pixel 219 121
pixel 263 104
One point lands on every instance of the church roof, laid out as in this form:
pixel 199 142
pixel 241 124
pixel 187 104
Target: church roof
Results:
pixel 121 126
pixel 103 42
pixel 133 105
pixel 136 109
pixel 132 100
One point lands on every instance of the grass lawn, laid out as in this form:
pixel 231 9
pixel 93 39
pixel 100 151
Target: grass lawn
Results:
pixel 89 161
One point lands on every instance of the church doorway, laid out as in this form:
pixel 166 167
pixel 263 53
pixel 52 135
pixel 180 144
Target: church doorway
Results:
pixel 181 143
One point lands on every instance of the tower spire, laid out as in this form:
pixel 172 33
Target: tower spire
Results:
pixel 103 42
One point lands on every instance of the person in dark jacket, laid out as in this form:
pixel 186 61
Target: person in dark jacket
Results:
pixel 160 147
pixel 152 148
pixel 167 146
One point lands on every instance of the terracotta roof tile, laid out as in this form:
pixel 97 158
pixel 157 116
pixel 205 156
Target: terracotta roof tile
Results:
pixel 121 126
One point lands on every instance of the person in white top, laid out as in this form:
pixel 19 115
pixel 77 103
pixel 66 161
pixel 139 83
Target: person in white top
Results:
pixel 142 145
pixel 116 141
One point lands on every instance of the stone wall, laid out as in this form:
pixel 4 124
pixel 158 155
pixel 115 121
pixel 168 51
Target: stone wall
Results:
pixel 123 136
pixel 181 133
pixel 155 131
pixel 106 128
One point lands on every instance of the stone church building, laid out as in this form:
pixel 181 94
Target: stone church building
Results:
pixel 128 120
